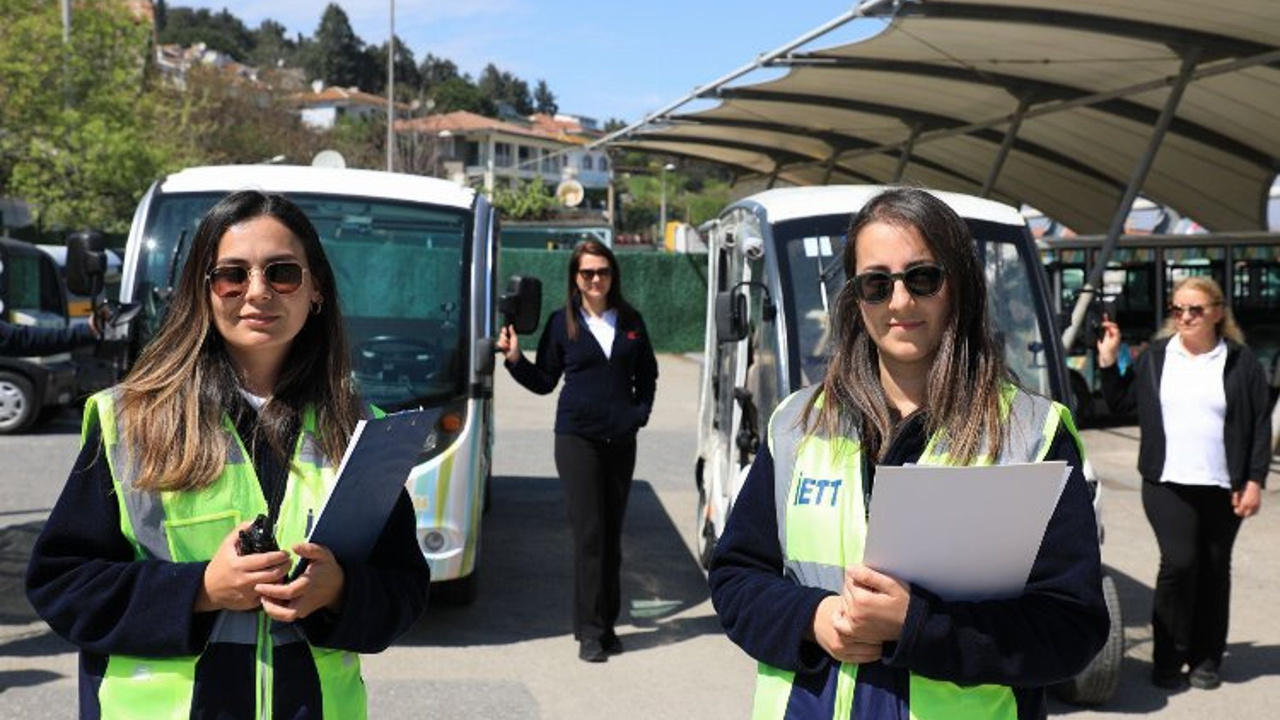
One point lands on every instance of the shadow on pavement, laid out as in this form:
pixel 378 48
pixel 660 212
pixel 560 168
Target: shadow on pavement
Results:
pixel 16 542
pixel 526 574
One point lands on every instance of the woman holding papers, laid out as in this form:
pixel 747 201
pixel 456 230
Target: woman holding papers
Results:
pixel 242 406
pixel 915 378
pixel 1202 402
pixel 599 343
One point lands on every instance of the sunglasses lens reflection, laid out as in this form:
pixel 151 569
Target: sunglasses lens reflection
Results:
pixel 876 286
pixel 233 281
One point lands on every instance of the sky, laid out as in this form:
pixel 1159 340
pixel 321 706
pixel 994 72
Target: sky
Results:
pixel 600 59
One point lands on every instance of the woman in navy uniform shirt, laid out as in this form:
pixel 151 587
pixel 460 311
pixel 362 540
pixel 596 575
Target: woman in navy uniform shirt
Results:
pixel 600 345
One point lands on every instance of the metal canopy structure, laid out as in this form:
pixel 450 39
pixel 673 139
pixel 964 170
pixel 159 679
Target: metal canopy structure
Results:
pixel 1070 107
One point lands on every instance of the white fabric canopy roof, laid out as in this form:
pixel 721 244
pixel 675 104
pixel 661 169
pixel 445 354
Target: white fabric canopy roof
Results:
pixel 944 81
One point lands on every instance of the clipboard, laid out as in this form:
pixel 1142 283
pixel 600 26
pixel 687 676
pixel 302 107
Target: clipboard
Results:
pixel 371 475
pixel 963 533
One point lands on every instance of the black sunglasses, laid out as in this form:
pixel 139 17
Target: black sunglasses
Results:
pixel 590 274
pixel 876 286
pixel 1194 311
pixel 229 281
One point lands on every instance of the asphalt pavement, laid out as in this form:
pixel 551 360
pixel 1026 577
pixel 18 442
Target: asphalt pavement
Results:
pixel 511 654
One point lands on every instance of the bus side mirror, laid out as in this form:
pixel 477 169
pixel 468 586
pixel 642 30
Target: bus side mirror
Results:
pixel 521 305
pixel 731 316
pixel 86 262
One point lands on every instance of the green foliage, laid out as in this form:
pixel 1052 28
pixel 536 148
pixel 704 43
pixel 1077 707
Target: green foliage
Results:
pixel 544 100
pixel 336 54
pixel 503 87
pixel 219 31
pixel 84 129
pixel 457 93
pixel 526 201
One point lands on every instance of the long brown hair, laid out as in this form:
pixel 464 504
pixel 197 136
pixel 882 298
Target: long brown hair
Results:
pixel 573 298
pixel 1227 327
pixel 964 385
pixel 173 401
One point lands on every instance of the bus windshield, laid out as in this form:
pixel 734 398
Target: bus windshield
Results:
pixel 812 273
pixel 400 270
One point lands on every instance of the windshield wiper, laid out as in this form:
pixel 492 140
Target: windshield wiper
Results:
pixel 166 292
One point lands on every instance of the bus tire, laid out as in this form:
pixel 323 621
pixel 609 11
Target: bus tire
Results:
pixel 18 407
pixel 1097 682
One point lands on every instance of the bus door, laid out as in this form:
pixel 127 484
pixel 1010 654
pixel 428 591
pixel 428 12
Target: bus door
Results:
pixel 1255 301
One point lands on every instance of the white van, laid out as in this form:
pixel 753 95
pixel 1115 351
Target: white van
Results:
pixel 773 272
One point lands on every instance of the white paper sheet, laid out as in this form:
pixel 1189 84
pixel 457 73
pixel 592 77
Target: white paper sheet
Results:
pixel 962 533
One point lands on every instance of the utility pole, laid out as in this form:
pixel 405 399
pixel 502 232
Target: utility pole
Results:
pixel 391 90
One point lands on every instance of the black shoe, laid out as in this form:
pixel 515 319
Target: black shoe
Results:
pixel 1205 676
pixel 612 644
pixel 592 651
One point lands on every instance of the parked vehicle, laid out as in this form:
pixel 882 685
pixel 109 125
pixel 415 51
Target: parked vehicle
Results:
pixel 32 293
pixel 415 260
pixel 773 272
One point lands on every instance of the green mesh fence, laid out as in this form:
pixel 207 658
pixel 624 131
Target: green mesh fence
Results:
pixel 670 291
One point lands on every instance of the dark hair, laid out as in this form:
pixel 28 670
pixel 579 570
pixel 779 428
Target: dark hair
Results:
pixel 185 372
pixel 965 381
pixel 573 299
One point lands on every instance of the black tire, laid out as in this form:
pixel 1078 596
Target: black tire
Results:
pixel 18 406
pixel 1097 683
pixel 460 592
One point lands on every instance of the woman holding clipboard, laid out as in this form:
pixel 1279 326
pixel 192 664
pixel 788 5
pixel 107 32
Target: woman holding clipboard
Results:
pixel 241 407
pixel 915 378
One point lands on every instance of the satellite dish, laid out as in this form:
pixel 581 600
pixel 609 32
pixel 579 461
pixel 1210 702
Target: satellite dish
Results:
pixel 329 159
pixel 570 193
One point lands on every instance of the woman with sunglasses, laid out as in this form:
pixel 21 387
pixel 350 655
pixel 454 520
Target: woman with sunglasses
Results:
pixel 241 407
pixel 599 343
pixel 1202 401
pixel 915 377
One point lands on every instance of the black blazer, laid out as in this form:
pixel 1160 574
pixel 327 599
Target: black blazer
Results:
pixel 603 398
pixel 1247 431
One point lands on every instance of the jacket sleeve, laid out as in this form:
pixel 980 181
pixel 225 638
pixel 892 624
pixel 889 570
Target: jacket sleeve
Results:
pixel 1260 397
pixel 28 341
pixel 1118 390
pixel 383 597
pixel 1046 635
pixel 542 375
pixel 762 610
pixel 84 580
pixel 645 378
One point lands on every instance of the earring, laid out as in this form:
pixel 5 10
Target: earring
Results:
pixel 317 306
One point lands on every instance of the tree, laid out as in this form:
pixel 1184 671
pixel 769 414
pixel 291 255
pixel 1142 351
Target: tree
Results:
pixel 525 201
pixel 335 55
pixel 83 127
pixel 503 87
pixel 457 93
pixel 222 31
pixel 235 122
pixel 614 124
pixel 544 100
pixel 271 47
pixel 435 71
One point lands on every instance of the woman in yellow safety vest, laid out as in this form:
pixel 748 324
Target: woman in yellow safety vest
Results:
pixel 915 377
pixel 240 407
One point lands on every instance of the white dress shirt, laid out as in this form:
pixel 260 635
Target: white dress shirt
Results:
pixel 1193 404
pixel 603 328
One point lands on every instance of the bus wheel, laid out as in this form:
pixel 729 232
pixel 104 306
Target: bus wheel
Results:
pixel 1098 681
pixel 17 403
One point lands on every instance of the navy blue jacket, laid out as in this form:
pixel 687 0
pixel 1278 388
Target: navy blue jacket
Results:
pixel 84 580
pixel 1045 636
pixel 28 341
pixel 1247 431
pixel 604 398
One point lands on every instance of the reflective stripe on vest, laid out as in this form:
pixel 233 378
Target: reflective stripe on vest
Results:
pixel 189 526
pixel 822 526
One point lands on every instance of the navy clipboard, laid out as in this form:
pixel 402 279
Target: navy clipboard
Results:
pixel 372 473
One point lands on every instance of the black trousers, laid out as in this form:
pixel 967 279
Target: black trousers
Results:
pixel 596 475
pixel 1195 528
